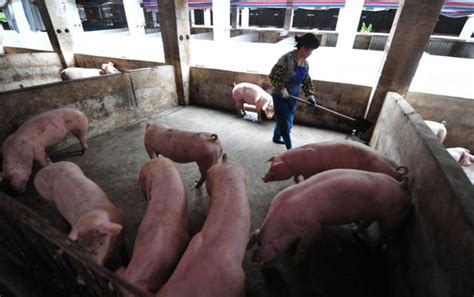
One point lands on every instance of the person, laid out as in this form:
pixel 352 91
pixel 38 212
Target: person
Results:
pixel 288 76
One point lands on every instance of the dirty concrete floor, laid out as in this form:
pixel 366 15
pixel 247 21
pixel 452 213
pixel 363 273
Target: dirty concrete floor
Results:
pixel 337 266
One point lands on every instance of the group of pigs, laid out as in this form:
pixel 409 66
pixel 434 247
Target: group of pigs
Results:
pixel 360 189
pixel 460 155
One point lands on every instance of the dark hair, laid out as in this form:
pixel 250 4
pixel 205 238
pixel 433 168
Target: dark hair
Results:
pixel 308 40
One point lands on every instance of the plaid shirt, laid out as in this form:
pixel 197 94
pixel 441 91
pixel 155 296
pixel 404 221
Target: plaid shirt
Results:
pixel 283 71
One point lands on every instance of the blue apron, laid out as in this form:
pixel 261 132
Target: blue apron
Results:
pixel 285 108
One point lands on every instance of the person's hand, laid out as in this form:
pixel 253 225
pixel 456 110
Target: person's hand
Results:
pixel 285 94
pixel 312 100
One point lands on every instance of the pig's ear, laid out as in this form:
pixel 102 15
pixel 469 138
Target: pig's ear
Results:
pixel 271 159
pixel 278 166
pixel 73 235
pixel 110 228
pixel 253 239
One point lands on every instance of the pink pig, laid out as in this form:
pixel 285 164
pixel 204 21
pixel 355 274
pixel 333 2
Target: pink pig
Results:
pixel 338 196
pixel 183 146
pixel 78 72
pixel 212 263
pixel 439 129
pixel 32 139
pixel 313 158
pixel 163 234
pixel 461 155
pixel 255 95
pixel 96 223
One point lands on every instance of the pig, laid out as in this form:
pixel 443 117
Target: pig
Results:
pixel 338 196
pixel 163 233
pixel 461 155
pixel 255 95
pixel 439 129
pixel 183 146
pixel 78 72
pixel 32 139
pixel 212 263
pixel 96 224
pixel 313 158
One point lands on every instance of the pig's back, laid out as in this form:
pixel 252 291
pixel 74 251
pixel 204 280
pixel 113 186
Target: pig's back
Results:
pixel 325 156
pixel 64 184
pixel 345 195
pixel 182 146
pixel 50 127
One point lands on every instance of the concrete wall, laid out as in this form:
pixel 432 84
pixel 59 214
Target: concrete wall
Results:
pixel 213 88
pixel 24 70
pixel 109 101
pixel 435 254
pixel 22 50
pixel 457 112
pixel 89 61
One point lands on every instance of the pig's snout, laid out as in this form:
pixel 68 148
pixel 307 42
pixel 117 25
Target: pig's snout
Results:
pixel 19 184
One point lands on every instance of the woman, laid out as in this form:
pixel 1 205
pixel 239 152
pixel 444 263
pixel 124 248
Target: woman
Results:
pixel 288 75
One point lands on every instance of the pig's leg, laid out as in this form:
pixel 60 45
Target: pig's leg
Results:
pixel 151 152
pixel 122 250
pixel 304 245
pixel 41 156
pixel 296 178
pixel 203 167
pixel 82 137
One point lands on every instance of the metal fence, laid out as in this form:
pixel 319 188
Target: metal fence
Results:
pixel 51 257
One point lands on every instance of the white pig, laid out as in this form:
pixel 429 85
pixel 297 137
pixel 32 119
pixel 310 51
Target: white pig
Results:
pixel 163 233
pixel 461 155
pixel 31 140
pixel 78 72
pixel 183 146
pixel 96 223
pixel 334 197
pixel 253 94
pixel 212 263
pixel 439 129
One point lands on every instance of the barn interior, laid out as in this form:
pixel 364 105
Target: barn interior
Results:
pixel 433 255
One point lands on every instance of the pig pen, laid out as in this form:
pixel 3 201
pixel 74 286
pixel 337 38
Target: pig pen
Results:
pixel 338 265
pixel 118 107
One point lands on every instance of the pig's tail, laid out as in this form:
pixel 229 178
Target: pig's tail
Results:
pixel 213 137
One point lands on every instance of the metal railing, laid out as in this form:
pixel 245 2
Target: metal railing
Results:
pixel 52 257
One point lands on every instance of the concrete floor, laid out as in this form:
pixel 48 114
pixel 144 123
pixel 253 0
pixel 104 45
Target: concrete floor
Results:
pixel 337 266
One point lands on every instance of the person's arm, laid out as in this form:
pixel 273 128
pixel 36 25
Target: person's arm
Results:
pixel 276 77
pixel 309 90
pixel 308 87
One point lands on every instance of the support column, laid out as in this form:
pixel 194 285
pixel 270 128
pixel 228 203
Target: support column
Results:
pixel 62 22
pixel 2 51
pixel 135 17
pixel 192 17
pixel 175 32
pixel 413 25
pixel 207 17
pixel 220 16
pixel 289 13
pixel 20 17
pixel 347 23
pixel 245 17
pixel 234 16
pixel 468 28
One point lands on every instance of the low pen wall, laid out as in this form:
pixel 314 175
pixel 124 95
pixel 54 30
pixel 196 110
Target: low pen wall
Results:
pixel 435 254
pixel 109 101
pixel 213 88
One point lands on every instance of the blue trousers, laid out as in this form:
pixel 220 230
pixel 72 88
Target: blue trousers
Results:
pixel 284 115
